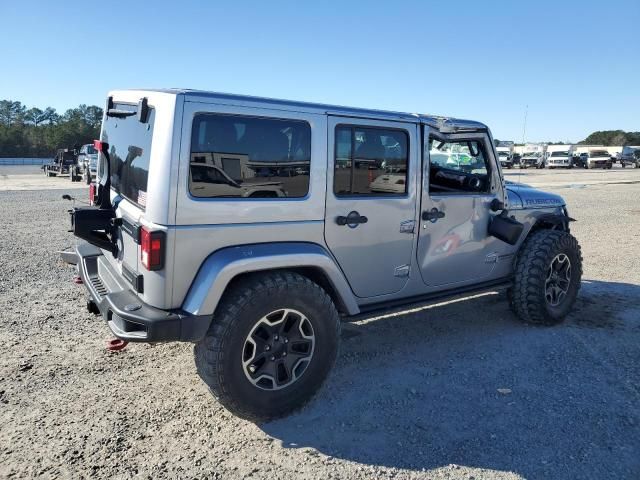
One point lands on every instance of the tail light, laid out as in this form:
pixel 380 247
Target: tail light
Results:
pixel 152 249
pixel 100 146
pixel 92 193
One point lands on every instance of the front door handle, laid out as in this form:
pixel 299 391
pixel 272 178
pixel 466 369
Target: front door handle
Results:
pixel 352 220
pixel 432 215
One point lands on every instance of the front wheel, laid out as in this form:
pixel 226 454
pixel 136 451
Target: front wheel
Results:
pixel 272 342
pixel 547 277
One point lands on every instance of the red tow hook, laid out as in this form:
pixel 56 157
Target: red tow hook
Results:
pixel 77 279
pixel 116 344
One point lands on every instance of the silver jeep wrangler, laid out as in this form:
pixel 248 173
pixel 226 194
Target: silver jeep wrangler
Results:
pixel 253 227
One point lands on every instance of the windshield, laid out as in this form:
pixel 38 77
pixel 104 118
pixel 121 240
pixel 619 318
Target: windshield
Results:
pixel 598 153
pixel 129 148
pixel 91 150
pixel 503 154
pixel 559 154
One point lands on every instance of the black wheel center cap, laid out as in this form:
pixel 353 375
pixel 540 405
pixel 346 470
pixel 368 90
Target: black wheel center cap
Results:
pixel 278 348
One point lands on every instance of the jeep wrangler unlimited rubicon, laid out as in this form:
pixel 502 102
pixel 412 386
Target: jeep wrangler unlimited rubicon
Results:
pixel 253 226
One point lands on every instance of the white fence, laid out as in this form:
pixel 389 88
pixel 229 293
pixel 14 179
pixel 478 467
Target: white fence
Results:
pixel 24 161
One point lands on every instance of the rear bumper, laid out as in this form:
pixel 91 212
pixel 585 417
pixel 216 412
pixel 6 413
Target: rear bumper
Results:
pixel 126 315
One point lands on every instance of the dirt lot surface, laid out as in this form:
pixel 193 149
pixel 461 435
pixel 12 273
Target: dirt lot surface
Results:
pixel 461 390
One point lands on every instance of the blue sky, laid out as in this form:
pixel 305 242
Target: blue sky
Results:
pixel 575 64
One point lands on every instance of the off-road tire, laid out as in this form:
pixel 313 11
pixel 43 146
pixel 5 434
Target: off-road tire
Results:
pixel 218 356
pixel 527 295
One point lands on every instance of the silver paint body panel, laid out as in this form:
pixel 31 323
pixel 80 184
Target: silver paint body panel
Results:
pixel 209 241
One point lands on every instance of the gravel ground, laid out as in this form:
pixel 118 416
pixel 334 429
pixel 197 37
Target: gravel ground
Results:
pixel 461 390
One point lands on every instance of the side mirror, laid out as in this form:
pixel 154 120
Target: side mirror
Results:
pixel 496 205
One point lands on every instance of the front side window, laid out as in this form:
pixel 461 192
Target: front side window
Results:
pixel 370 161
pixel 249 157
pixel 458 167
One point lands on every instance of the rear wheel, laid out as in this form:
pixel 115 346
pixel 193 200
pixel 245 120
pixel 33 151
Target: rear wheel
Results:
pixel 547 277
pixel 272 342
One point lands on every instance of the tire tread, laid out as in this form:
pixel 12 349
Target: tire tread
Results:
pixel 530 274
pixel 210 352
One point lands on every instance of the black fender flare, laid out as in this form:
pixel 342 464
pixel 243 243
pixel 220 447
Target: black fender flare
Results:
pixel 553 221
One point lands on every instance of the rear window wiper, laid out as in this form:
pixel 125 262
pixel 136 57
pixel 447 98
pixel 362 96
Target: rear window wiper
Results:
pixel 114 112
pixel 143 110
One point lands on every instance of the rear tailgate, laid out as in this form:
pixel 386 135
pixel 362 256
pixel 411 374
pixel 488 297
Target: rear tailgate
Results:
pixel 129 139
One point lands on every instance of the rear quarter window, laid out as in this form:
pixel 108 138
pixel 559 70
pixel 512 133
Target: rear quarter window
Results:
pixel 236 156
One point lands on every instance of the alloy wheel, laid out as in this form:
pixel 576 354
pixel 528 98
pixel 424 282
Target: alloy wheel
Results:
pixel 558 280
pixel 278 349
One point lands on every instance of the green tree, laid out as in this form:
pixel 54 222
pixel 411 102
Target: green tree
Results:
pixel 34 116
pixel 38 133
pixel 11 112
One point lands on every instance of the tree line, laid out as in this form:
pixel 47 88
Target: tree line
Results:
pixel 612 138
pixel 35 132
pixel 607 138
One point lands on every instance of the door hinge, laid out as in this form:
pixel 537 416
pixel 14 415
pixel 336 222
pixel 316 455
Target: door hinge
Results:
pixel 401 271
pixel 408 226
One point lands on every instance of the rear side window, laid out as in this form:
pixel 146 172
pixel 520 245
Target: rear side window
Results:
pixel 129 152
pixel 370 161
pixel 249 157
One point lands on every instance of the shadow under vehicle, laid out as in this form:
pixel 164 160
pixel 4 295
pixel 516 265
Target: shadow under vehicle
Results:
pixel 470 387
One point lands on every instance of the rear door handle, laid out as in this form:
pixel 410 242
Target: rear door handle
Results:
pixel 432 215
pixel 352 220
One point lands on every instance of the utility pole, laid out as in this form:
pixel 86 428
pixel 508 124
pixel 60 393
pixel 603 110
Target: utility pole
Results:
pixel 524 127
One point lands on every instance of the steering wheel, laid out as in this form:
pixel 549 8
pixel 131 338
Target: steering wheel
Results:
pixel 474 182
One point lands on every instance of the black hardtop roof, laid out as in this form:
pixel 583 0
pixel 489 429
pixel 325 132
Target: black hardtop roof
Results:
pixel 439 122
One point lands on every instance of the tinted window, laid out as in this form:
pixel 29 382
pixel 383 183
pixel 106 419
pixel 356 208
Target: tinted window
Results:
pixel 598 153
pixel 249 157
pixel 129 148
pixel 370 161
pixel 458 167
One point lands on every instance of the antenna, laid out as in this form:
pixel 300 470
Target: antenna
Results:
pixel 524 133
pixel 524 126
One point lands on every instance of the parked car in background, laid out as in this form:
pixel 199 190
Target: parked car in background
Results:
pixel 596 158
pixel 505 156
pixel 392 181
pixel 207 180
pixel 63 163
pixel 630 155
pixel 532 160
pixel 580 160
pixel 560 158
pixel 87 162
